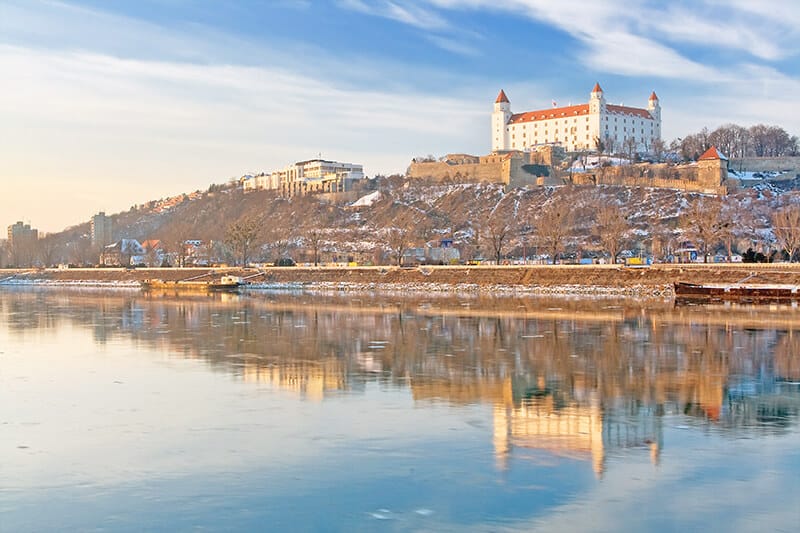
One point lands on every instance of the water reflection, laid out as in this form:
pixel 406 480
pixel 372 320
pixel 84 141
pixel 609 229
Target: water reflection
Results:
pixel 575 378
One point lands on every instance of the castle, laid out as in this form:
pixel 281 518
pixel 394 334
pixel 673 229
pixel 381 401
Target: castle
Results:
pixel 597 125
pixel 533 149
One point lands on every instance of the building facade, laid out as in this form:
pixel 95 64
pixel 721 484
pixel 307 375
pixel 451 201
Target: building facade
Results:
pixel 20 233
pixel 303 177
pixel 596 125
pixel 101 229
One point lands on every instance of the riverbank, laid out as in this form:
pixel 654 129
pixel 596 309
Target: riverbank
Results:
pixel 612 280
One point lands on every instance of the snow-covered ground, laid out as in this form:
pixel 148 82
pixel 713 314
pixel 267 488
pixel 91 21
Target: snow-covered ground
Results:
pixel 758 175
pixel 594 161
pixel 367 200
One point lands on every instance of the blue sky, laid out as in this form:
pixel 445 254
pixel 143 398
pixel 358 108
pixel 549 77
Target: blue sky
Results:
pixel 105 104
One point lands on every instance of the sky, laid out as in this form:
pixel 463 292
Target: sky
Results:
pixel 105 104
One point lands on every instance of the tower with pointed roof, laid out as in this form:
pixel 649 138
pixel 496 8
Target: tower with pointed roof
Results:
pixel 597 102
pixel 500 118
pixel 712 168
pixel 584 127
pixel 654 107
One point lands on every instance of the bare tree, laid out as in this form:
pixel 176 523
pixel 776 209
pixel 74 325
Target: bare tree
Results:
pixel 241 236
pixel 314 240
pixel 47 250
pixel 701 223
pixel 174 241
pixel 728 227
pixel 498 230
pixel 657 148
pixel 786 227
pixel 629 145
pixel 662 240
pixel 398 242
pixel 552 225
pixel 611 227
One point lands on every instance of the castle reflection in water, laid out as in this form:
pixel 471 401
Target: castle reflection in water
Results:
pixel 584 379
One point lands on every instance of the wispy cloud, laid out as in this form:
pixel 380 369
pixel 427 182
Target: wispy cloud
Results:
pixel 406 12
pixel 637 37
pixel 135 129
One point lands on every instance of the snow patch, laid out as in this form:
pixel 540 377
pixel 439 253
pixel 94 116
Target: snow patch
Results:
pixel 368 200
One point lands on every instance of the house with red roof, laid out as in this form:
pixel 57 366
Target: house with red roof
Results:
pixel 596 125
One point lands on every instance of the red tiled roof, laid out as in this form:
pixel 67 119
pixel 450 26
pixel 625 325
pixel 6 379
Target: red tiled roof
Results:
pixel 653 96
pixel 625 110
pixel 575 110
pixel 545 114
pixel 712 154
pixel 597 88
pixel 501 98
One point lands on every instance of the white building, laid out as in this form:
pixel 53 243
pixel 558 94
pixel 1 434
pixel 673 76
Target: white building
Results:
pixel 314 175
pixel 615 128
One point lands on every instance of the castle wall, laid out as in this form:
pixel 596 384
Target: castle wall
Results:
pixel 687 178
pixel 766 164
pixel 492 172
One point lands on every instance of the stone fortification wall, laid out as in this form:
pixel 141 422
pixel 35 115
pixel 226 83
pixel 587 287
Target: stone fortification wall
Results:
pixel 517 169
pixel 767 164
pixel 684 178
pixel 468 172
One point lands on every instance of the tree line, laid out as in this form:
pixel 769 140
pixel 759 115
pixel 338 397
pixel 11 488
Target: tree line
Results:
pixel 737 141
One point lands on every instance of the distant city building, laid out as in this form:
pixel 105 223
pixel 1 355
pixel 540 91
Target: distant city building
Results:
pixel 590 126
pixel 303 177
pixel 20 233
pixel 101 230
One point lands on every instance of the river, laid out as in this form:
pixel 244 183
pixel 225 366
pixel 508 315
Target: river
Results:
pixel 271 411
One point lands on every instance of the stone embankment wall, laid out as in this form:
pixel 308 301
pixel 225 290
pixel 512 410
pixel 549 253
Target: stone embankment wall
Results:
pixel 536 279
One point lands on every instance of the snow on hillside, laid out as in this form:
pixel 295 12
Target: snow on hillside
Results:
pixel 593 161
pixel 367 200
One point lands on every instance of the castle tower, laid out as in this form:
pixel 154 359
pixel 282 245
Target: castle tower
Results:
pixel 597 102
pixel 655 110
pixel 500 118
pixel 712 169
pixel 597 108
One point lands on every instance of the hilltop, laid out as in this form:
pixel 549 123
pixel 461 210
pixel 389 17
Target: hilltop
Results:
pixel 390 215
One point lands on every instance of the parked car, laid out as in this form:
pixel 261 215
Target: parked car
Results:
pixel 285 262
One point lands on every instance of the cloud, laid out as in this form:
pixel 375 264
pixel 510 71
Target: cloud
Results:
pixel 406 13
pixel 132 129
pixel 633 37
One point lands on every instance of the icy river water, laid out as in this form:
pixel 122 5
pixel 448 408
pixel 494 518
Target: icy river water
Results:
pixel 121 411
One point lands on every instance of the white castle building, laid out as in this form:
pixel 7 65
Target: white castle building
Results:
pixel 598 124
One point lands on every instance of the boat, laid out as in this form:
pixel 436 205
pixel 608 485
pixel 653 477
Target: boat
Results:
pixel 226 283
pixel 738 292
